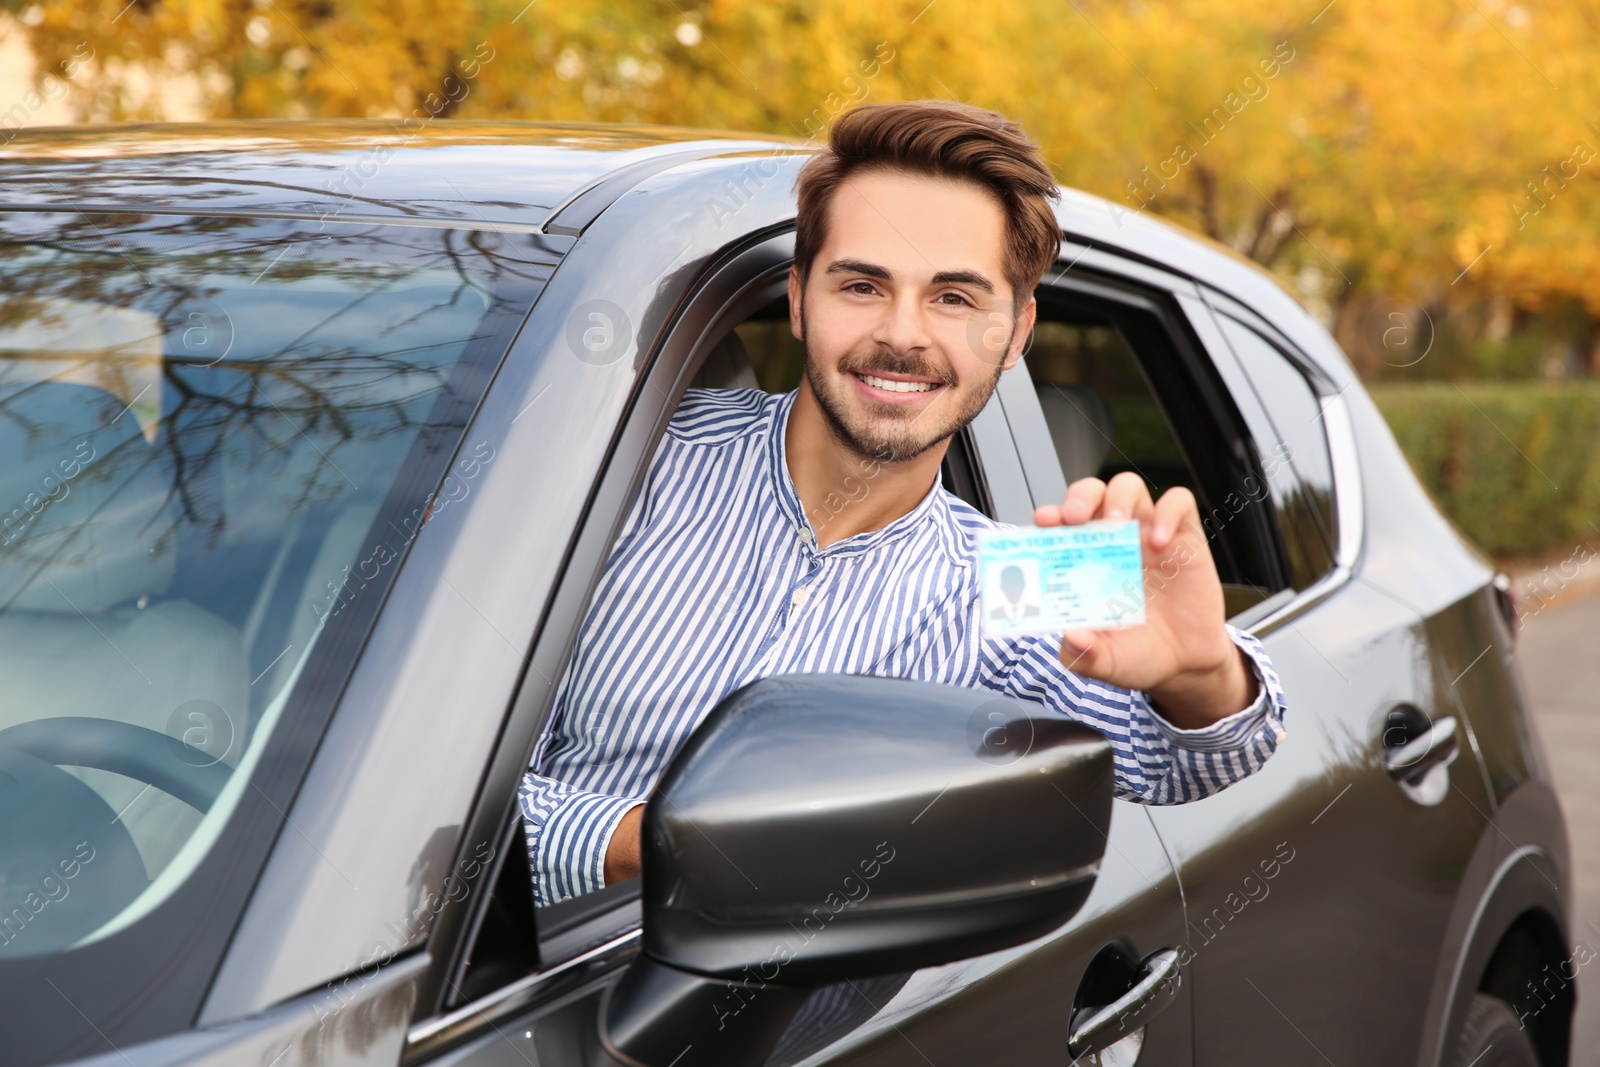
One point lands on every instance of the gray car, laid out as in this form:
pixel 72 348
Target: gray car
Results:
pixel 314 439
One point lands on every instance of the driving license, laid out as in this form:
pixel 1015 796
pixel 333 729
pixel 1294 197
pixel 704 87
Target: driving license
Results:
pixel 1042 580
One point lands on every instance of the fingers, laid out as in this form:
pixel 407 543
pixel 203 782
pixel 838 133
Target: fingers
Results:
pixel 1175 510
pixel 1081 502
pixel 1125 497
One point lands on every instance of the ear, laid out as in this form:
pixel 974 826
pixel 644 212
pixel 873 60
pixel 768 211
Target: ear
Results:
pixel 796 309
pixel 1020 335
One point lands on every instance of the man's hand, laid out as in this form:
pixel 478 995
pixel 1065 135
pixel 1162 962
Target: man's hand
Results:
pixel 622 854
pixel 1182 656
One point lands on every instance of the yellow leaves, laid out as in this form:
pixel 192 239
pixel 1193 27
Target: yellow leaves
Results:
pixel 1390 136
pixel 1470 241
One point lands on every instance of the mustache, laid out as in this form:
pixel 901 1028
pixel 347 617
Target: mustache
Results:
pixel 887 361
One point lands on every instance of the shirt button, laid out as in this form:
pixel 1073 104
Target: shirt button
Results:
pixel 805 536
pixel 798 597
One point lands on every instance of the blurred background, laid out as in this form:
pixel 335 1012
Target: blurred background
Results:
pixel 1421 173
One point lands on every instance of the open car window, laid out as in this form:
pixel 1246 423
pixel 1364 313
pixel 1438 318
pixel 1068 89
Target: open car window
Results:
pixel 500 972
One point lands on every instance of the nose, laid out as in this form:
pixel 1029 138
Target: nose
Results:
pixel 904 325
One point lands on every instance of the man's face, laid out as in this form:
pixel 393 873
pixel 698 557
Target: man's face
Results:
pixel 907 316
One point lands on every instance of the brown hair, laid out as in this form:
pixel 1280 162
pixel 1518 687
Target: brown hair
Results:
pixel 944 139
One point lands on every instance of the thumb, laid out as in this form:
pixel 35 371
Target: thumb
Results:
pixel 1081 651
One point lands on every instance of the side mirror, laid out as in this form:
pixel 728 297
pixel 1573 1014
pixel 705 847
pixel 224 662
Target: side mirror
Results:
pixel 818 828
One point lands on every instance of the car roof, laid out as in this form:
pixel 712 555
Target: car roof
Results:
pixel 532 177
pixel 506 175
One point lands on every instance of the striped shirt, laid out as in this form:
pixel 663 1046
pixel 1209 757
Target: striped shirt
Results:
pixel 715 580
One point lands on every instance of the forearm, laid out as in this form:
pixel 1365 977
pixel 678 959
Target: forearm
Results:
pixel 622 849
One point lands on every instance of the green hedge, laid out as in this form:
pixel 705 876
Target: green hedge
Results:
pixel 1516 465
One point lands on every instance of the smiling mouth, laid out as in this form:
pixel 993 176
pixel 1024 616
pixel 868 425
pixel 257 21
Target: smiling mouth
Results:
pixel 890 385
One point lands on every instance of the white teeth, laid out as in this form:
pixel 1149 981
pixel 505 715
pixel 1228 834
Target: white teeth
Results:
pixel 896 387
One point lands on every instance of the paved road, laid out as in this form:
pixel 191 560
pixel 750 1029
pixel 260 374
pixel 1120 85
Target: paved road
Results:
pixel 1561 666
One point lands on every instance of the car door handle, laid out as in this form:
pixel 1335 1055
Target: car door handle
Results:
pixel 1412 761
pixel 1095 1028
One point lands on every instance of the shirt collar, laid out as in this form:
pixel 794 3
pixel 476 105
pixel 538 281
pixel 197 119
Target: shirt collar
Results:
pixel 932 508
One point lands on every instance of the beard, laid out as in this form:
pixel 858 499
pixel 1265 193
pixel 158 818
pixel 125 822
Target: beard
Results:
pixel 875 431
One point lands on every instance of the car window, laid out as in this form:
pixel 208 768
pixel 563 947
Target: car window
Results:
pixel 760 353
pixel 203 425
pixel 1103 418
pixel 1117 395
pixel 1293 448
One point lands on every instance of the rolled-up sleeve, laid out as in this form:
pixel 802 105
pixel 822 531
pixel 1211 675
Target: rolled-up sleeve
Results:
pixel 1155 762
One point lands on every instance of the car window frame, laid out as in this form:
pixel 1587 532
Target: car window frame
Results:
pixel 1323 388
pixel 740 280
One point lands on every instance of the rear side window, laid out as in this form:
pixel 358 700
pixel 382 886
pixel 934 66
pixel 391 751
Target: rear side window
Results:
pixel 1121 390
pixel 1293 447
pixel 206 431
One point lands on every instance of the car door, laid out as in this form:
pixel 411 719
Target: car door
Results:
pixel 1319 889
pixel 524 985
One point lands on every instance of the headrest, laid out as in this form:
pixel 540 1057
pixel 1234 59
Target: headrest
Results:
pixel 1081 425
pixel 85 508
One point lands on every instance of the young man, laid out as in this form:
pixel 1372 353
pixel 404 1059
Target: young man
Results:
pixel 922 232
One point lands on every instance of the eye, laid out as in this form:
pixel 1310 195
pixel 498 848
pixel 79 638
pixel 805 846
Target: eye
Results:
pixel 953 299
pixel 862 288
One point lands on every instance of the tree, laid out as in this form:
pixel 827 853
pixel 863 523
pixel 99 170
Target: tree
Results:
pixel 1443 155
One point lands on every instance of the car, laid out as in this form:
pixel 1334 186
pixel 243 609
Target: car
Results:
pixel 316 438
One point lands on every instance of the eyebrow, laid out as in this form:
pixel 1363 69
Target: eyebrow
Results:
pixel 964 277
pixel 856 266
pixel 946 277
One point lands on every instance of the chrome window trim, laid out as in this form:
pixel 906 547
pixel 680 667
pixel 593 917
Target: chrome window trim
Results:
pixel 1348 501
pixel 544 989
pixel 1349 505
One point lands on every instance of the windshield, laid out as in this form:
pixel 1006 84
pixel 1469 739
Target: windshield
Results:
pixel 203 424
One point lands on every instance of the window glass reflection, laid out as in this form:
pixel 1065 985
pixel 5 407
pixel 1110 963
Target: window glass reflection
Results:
pixel 201 421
